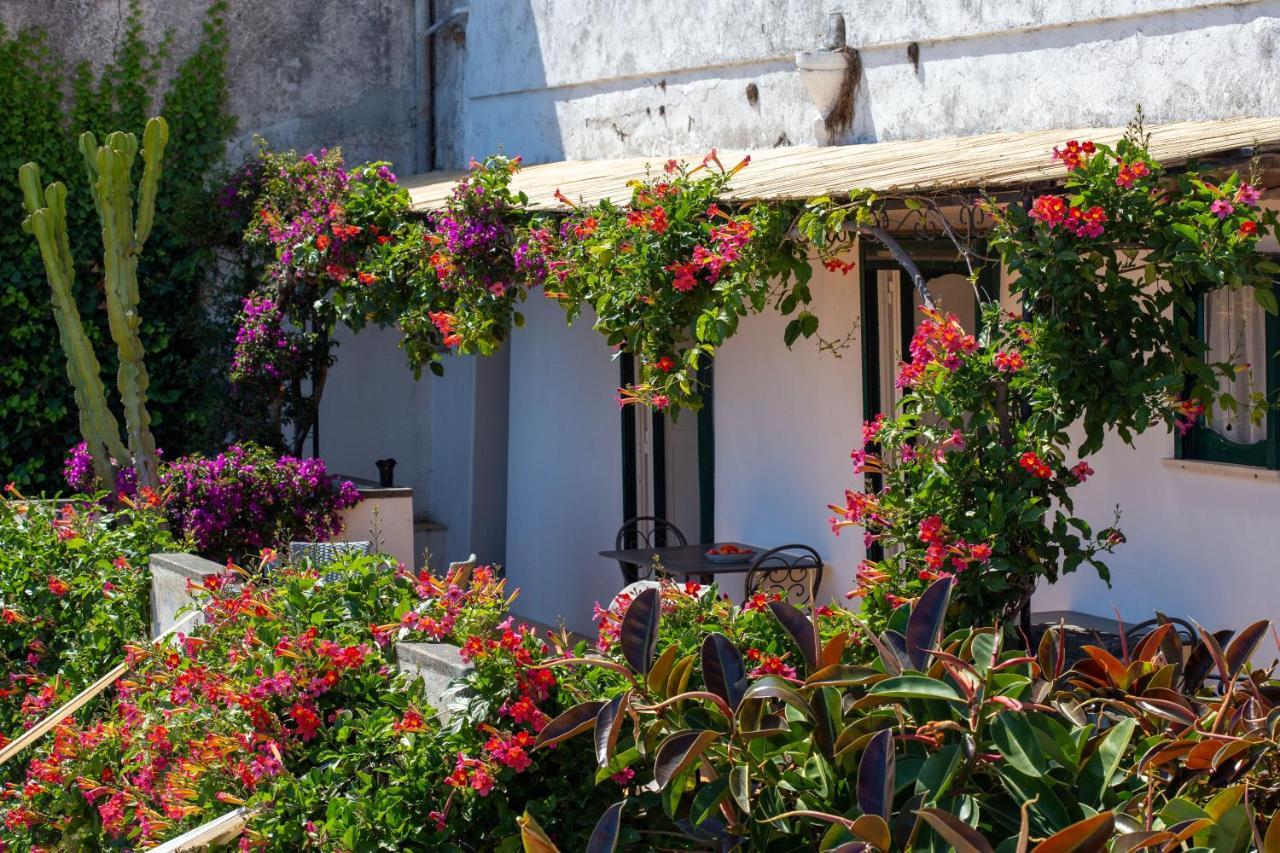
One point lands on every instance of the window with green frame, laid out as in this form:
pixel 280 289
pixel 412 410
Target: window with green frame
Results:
pixel 1239 331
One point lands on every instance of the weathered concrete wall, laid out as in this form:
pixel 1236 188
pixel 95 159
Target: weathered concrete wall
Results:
pixel 578 79
pixel 304 73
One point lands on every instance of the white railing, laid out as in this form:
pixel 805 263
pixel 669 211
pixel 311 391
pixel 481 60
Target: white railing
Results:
pixel 84 697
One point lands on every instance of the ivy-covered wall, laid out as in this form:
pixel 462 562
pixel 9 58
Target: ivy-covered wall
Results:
pixel 300 74
pixel 45 103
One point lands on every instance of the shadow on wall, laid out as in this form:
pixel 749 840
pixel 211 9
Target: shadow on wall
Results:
pixel 503 60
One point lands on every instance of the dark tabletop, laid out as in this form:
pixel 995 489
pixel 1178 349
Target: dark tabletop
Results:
pixel 683 560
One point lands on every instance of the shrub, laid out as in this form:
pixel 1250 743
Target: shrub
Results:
pixel 972 475
pixel 281 675
pixel 712 726
pixel 240 501
pixel 74 588
pixel 940 741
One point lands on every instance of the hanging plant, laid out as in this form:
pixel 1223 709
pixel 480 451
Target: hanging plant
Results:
pixel 670 273
pixel 457 269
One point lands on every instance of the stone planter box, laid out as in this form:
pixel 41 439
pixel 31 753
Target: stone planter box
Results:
pixel 169 576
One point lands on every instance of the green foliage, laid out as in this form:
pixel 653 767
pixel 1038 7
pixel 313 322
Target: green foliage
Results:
pixel 941 742
pixel 329 236
pixel 668 275
pixel 41 123
pixel 74 589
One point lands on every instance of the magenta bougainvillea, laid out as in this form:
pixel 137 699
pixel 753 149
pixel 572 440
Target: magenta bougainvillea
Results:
pixel 240 500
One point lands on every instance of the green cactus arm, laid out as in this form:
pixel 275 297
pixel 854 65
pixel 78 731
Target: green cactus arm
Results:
pixel 89 150
pixel 114 189
pixel 98 426
pixel 154 139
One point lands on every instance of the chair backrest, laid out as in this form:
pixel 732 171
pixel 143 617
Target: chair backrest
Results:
pixel 322 554
pixel 645 531
pixel 793 570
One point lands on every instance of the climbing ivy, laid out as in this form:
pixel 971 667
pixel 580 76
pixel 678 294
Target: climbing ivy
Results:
pixel 44 105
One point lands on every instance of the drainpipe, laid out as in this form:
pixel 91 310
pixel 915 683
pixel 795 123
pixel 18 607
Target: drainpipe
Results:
pixel 423 107
pixel 426 27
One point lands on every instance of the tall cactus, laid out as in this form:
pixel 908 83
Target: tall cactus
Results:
pixel 110 177
pixel 47 221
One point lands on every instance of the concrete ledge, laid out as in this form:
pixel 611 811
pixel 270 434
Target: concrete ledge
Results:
pixel 1223 469
pixel 169 576
pixel 439 665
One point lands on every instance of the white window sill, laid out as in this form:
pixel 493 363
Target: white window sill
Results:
pixel 1224 469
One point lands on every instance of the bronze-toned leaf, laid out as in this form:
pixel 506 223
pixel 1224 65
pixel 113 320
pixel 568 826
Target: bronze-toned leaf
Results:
pixel 604 838
pixel 773 687
pixel 924 625
pixel 1087 836
pixel 874 829
pixel 608 725
pixel 875 775
pixel 722 669
pixel 897 644
pixel 1115 671
pixel 1140 840
pixel 844 675
pixel 1166 710
pixel 661 670
pixel 740 786
pixel 1152 643
pixel 678 751
pixel 574 721
pixel 834 649
pixel 678 681
pixel 638 634
pixel 1271 841
pixel 951 829
pixel 532 836
pixel 1163 753
pixel 1051 653
pixel 1203 657
pixel 800 629
pixel 1244 645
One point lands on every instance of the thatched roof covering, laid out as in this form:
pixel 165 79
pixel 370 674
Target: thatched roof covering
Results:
pixel 991 161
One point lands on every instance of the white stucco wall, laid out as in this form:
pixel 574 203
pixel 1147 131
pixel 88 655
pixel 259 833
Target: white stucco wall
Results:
pixel 785 421
pixel 583 79
pixel 564 501
pixel 1201 543
pixel 586 79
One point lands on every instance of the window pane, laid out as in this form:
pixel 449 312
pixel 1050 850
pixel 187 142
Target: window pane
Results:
pixel 1235 329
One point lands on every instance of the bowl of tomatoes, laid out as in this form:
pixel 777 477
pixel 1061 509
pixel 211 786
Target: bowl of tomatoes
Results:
pixel 730 552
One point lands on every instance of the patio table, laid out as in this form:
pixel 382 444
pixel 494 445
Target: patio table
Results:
pixel 684 561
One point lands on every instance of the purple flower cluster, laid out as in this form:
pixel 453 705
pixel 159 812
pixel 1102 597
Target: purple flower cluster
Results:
pixel 80 476
pixel 245 499
pixel 263 350
pixel 239 501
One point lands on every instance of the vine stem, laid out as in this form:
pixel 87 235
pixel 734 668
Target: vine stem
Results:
pixel 884 238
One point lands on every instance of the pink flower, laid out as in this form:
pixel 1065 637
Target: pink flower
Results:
pixel 1221 208
pixel 1247 194
pixel 1081 471
pixel 955 441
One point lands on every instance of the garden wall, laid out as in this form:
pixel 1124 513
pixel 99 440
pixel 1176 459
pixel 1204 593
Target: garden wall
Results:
pixel 302 74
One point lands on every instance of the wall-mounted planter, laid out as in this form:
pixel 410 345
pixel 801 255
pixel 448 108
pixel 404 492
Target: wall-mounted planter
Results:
pixel 822 72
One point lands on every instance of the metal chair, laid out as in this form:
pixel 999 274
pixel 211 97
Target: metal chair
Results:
pixel 322 554
pixel 796 575
pixel 632 535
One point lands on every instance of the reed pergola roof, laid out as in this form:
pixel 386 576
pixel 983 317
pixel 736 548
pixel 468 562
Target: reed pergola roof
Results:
pixel 993 162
